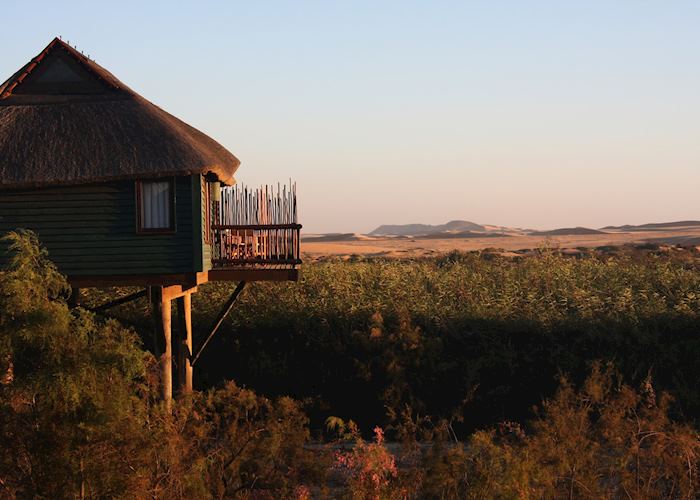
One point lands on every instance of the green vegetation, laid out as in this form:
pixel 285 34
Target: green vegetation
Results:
pixel 79 416
pixel 448 357
pixel 475 336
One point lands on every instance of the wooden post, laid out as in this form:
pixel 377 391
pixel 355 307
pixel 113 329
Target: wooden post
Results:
pixel 161 309
pixel 184 359
pixel 154 297
pixel 167 357
pixel 75 297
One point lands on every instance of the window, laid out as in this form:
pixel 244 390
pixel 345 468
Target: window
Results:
pixel 155 202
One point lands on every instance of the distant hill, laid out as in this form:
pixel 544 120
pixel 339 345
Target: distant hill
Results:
pixel 456 229
pixel 426 229
pixel 460 234
pixel 335 237
pixel 567 231
pixel 653 226
pixel 467 229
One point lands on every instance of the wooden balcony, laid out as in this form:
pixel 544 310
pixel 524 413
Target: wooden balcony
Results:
pixel 273 246
pixel 256 229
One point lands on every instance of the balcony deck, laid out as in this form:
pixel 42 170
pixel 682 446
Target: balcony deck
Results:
pixel 256 229
pixel 256 245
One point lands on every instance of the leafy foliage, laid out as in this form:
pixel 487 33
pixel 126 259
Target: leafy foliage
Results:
pixel 430 349
pixel 70 415
pixel 370 469
pixel 367 339
pixel 605 440
pixel 79 416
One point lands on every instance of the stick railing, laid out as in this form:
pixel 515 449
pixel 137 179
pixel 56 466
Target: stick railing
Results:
pixel 256 227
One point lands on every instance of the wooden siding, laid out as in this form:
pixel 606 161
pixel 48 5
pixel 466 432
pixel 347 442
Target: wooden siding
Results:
pixel 198 254
pixel 202 250
pixel 91 229
pixel 207 212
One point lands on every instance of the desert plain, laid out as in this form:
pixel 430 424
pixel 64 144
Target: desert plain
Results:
pixel 315 247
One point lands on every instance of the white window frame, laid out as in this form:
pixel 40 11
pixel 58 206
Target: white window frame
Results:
pixel 142 227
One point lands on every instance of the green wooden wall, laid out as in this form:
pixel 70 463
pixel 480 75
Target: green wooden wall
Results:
pixel 91 229
pixel 206 212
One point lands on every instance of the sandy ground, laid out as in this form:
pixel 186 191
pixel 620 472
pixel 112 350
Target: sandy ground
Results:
pixel 423 247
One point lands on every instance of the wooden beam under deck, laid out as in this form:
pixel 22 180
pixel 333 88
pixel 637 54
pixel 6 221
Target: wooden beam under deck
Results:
pixel 254 275
pixel 116 302
pixel 186 281
pixel 176 291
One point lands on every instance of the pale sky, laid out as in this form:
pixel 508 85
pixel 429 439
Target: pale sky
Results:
pixel 522 113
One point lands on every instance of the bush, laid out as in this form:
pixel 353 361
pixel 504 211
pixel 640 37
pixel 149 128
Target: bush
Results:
pixel 605 440
pixel 74 395
pixel 363 337
pixel 368 470
pixel 79 415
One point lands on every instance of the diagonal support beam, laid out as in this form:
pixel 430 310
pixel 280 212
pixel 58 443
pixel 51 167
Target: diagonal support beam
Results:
pixel 119 301
pixel 220 319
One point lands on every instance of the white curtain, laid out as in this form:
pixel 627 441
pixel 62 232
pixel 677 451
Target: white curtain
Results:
pixel 155 205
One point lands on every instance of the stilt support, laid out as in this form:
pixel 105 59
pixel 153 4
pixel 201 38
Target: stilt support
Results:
pixel 161 305
pixel 184 351
pixel 161 309
pixel 75 297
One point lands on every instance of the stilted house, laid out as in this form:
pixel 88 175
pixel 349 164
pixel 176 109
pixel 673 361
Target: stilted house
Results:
pixel 121 192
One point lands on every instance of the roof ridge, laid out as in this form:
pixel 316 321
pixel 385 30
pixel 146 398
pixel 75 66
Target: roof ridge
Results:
pixel 89 65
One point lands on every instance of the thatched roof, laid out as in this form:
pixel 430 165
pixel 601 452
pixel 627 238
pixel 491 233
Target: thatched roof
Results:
pixel 66 120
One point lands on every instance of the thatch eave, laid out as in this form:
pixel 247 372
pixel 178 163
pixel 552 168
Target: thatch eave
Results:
pixel 107 133
pixel 228 181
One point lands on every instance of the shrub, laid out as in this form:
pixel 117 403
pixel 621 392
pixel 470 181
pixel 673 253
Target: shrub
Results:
pixel 605 440
pixel 368 469
pixel 74 394
pixel 79 415
pixel 364 337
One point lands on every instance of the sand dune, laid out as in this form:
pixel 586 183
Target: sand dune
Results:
pixel 567 231
pixel 392 247
pixel 655 226
pixel 462 234
pixel 336 237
